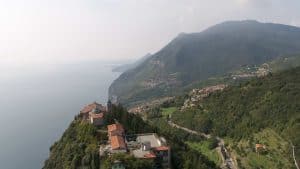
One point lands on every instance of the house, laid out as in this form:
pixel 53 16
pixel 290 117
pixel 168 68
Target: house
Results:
pixel 92 108
pixel 260 148
pixel 115 130
pixel 116 134
pixel 143 146
pixel 94 113
pixel 152 138
pixel 152 147
pixel 118 144
pixel 144 151
pixel 97 119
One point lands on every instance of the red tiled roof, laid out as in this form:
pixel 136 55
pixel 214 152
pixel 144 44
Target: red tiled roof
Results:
pixel 150 155
pixel 161 148
pixel 96 116
pixel 259 146
pixel 114 127
pixel 91 107
pixel 117 142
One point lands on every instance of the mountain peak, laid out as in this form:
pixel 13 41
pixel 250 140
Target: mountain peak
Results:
pixel 241 22
pixel 198 56
pixel 250 25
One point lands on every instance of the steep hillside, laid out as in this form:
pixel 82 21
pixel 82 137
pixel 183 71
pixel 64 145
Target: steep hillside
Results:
pixel 126 67
pixel 264 110
pixel 284 63
pixel 198 56
pixel 78 148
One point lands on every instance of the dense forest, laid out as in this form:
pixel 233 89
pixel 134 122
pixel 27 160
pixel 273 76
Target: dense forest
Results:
pixel 238 111
pixel 267 106
pixel 77 148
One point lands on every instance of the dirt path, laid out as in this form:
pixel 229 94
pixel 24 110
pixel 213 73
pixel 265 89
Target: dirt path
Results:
pixel 225 155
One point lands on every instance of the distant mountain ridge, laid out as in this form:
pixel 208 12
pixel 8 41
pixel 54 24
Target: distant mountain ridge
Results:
pixel 126 67
pixel 198 56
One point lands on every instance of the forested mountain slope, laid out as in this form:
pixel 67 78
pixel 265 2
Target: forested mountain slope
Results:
pixel 125 67
pixel 264 110
pixel 198 56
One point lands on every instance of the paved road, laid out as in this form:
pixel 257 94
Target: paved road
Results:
pixel 228 163
pixel 188 130
pixel 225 155
pixel 296 164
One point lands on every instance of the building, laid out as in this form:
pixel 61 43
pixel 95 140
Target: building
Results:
pixel 91 108
pixel 143 146
pixel 260 148
pixel 116 139
pixel 150 146
pixel 97 119
pixel 94 113
pixel 115 130
pixel 143 151
pixel 118 144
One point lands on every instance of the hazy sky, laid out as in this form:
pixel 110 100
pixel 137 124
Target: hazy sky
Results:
pixel 37 31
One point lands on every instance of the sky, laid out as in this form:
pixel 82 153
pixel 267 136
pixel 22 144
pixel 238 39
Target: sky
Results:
pixel 61 31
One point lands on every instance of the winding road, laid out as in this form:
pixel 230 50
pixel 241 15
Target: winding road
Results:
pixel 207 136
pixel 225 155
pixel 296 164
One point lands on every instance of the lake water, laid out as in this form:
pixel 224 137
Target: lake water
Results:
pixel 37 103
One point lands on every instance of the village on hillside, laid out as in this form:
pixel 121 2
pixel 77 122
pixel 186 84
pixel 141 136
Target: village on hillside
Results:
pixel 196 95
pixel 249 71
pixel 147 146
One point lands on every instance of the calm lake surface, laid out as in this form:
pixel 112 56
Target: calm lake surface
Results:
pixel 37 103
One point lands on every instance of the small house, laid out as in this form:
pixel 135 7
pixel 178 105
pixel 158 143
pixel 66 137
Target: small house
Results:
pixel 260 148
pixel 153 147
pixel 118 144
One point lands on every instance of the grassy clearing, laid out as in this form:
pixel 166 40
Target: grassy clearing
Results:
pixel 168 111
pixel 203 147
pixel 277 155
